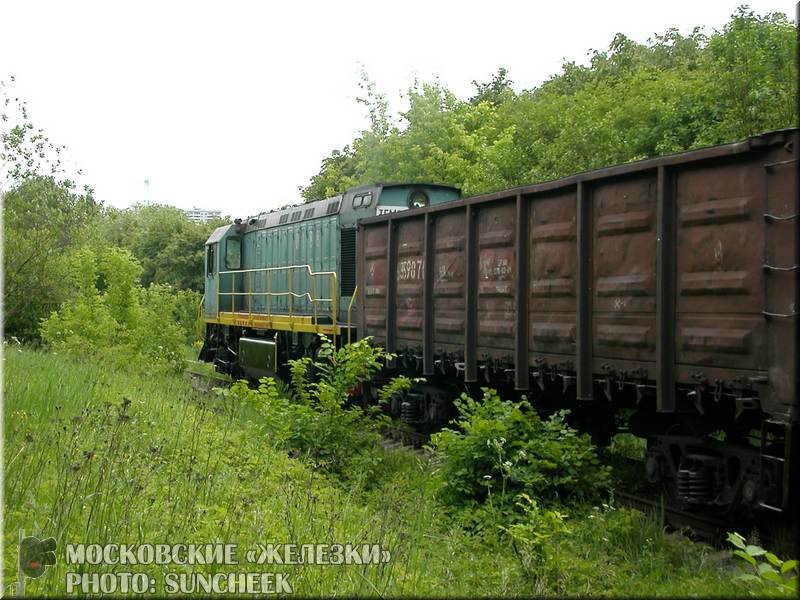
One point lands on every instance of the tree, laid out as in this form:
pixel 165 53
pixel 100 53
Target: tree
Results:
pixel 338 172
pixel 26 151
pixel 43 221
pixel 44 218
pixel 168 246
pixel 498 90
pixel 753 76
pixel 341 170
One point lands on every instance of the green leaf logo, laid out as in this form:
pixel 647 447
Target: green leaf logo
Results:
pixel 36 555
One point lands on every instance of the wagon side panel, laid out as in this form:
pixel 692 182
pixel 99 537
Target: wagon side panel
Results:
pixel 449 281
pixel 374 280
pixel 553 274
pixel 624 264
pixel 496 292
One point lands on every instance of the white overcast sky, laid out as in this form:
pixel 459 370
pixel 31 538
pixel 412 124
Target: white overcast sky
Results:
pixel 232 105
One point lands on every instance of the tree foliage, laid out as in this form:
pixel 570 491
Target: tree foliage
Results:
pixel 111 316
pixel 500 89
pixel 43 220
pixel 25 151
pixel 168 246
pixel 631 101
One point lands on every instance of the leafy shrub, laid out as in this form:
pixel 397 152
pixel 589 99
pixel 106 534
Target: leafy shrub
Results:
pixel 531 538
pixel 188 314
pixel 111 316
pixel 769 571
pixel 502 449
pixel 317 419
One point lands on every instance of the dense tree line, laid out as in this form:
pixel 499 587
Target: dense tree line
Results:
pixel 168 246
pixel 676 92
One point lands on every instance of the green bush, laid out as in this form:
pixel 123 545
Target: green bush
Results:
pixel 110 316
pixel 502 449
pixel 317 418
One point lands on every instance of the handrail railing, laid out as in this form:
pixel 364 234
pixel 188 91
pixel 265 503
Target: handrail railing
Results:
pixel 290 293
pixel 350 312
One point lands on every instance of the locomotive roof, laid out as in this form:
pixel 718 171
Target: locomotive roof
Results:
pixel 293 214
pixel 389 184
pixel 217 234
pixel 322 208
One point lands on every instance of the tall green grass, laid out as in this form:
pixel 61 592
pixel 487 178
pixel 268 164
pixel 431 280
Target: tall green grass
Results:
pixel 103 456
pixel 99 455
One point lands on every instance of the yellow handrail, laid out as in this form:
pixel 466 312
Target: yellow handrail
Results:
pixel 291 294
pixel 350 311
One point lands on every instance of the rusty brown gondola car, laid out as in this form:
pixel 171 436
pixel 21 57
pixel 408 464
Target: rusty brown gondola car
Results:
pixel 664 289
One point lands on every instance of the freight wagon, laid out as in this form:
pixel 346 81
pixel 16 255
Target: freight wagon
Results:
pixel 664 289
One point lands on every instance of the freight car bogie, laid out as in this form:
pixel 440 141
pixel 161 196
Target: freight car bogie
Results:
pixel 718 473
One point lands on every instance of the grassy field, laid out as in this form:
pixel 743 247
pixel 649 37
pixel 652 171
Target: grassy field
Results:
pixel 97 456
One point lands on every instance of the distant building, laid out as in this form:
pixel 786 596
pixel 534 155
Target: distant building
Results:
pixel 199 215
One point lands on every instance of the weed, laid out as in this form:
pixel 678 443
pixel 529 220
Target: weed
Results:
pixel 531 538
pixel 768 571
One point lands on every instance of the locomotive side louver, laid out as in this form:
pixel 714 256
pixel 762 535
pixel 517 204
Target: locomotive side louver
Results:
pixel 348 254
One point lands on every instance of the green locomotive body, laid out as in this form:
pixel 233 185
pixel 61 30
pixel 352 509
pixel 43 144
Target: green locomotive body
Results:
pixel 276 280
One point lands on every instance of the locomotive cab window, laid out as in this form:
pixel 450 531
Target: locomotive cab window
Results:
pixel 417 199
pixel 210 259
pixel 233 253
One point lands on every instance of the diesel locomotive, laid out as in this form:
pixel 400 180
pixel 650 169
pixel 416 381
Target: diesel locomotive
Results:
pixel 275 281
pixel 659 296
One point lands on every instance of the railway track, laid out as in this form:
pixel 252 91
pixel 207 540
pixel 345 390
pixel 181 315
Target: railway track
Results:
pixel 704 527
pixel 203 380
pixel 778 535
pixel 713 529
pixel 400 438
